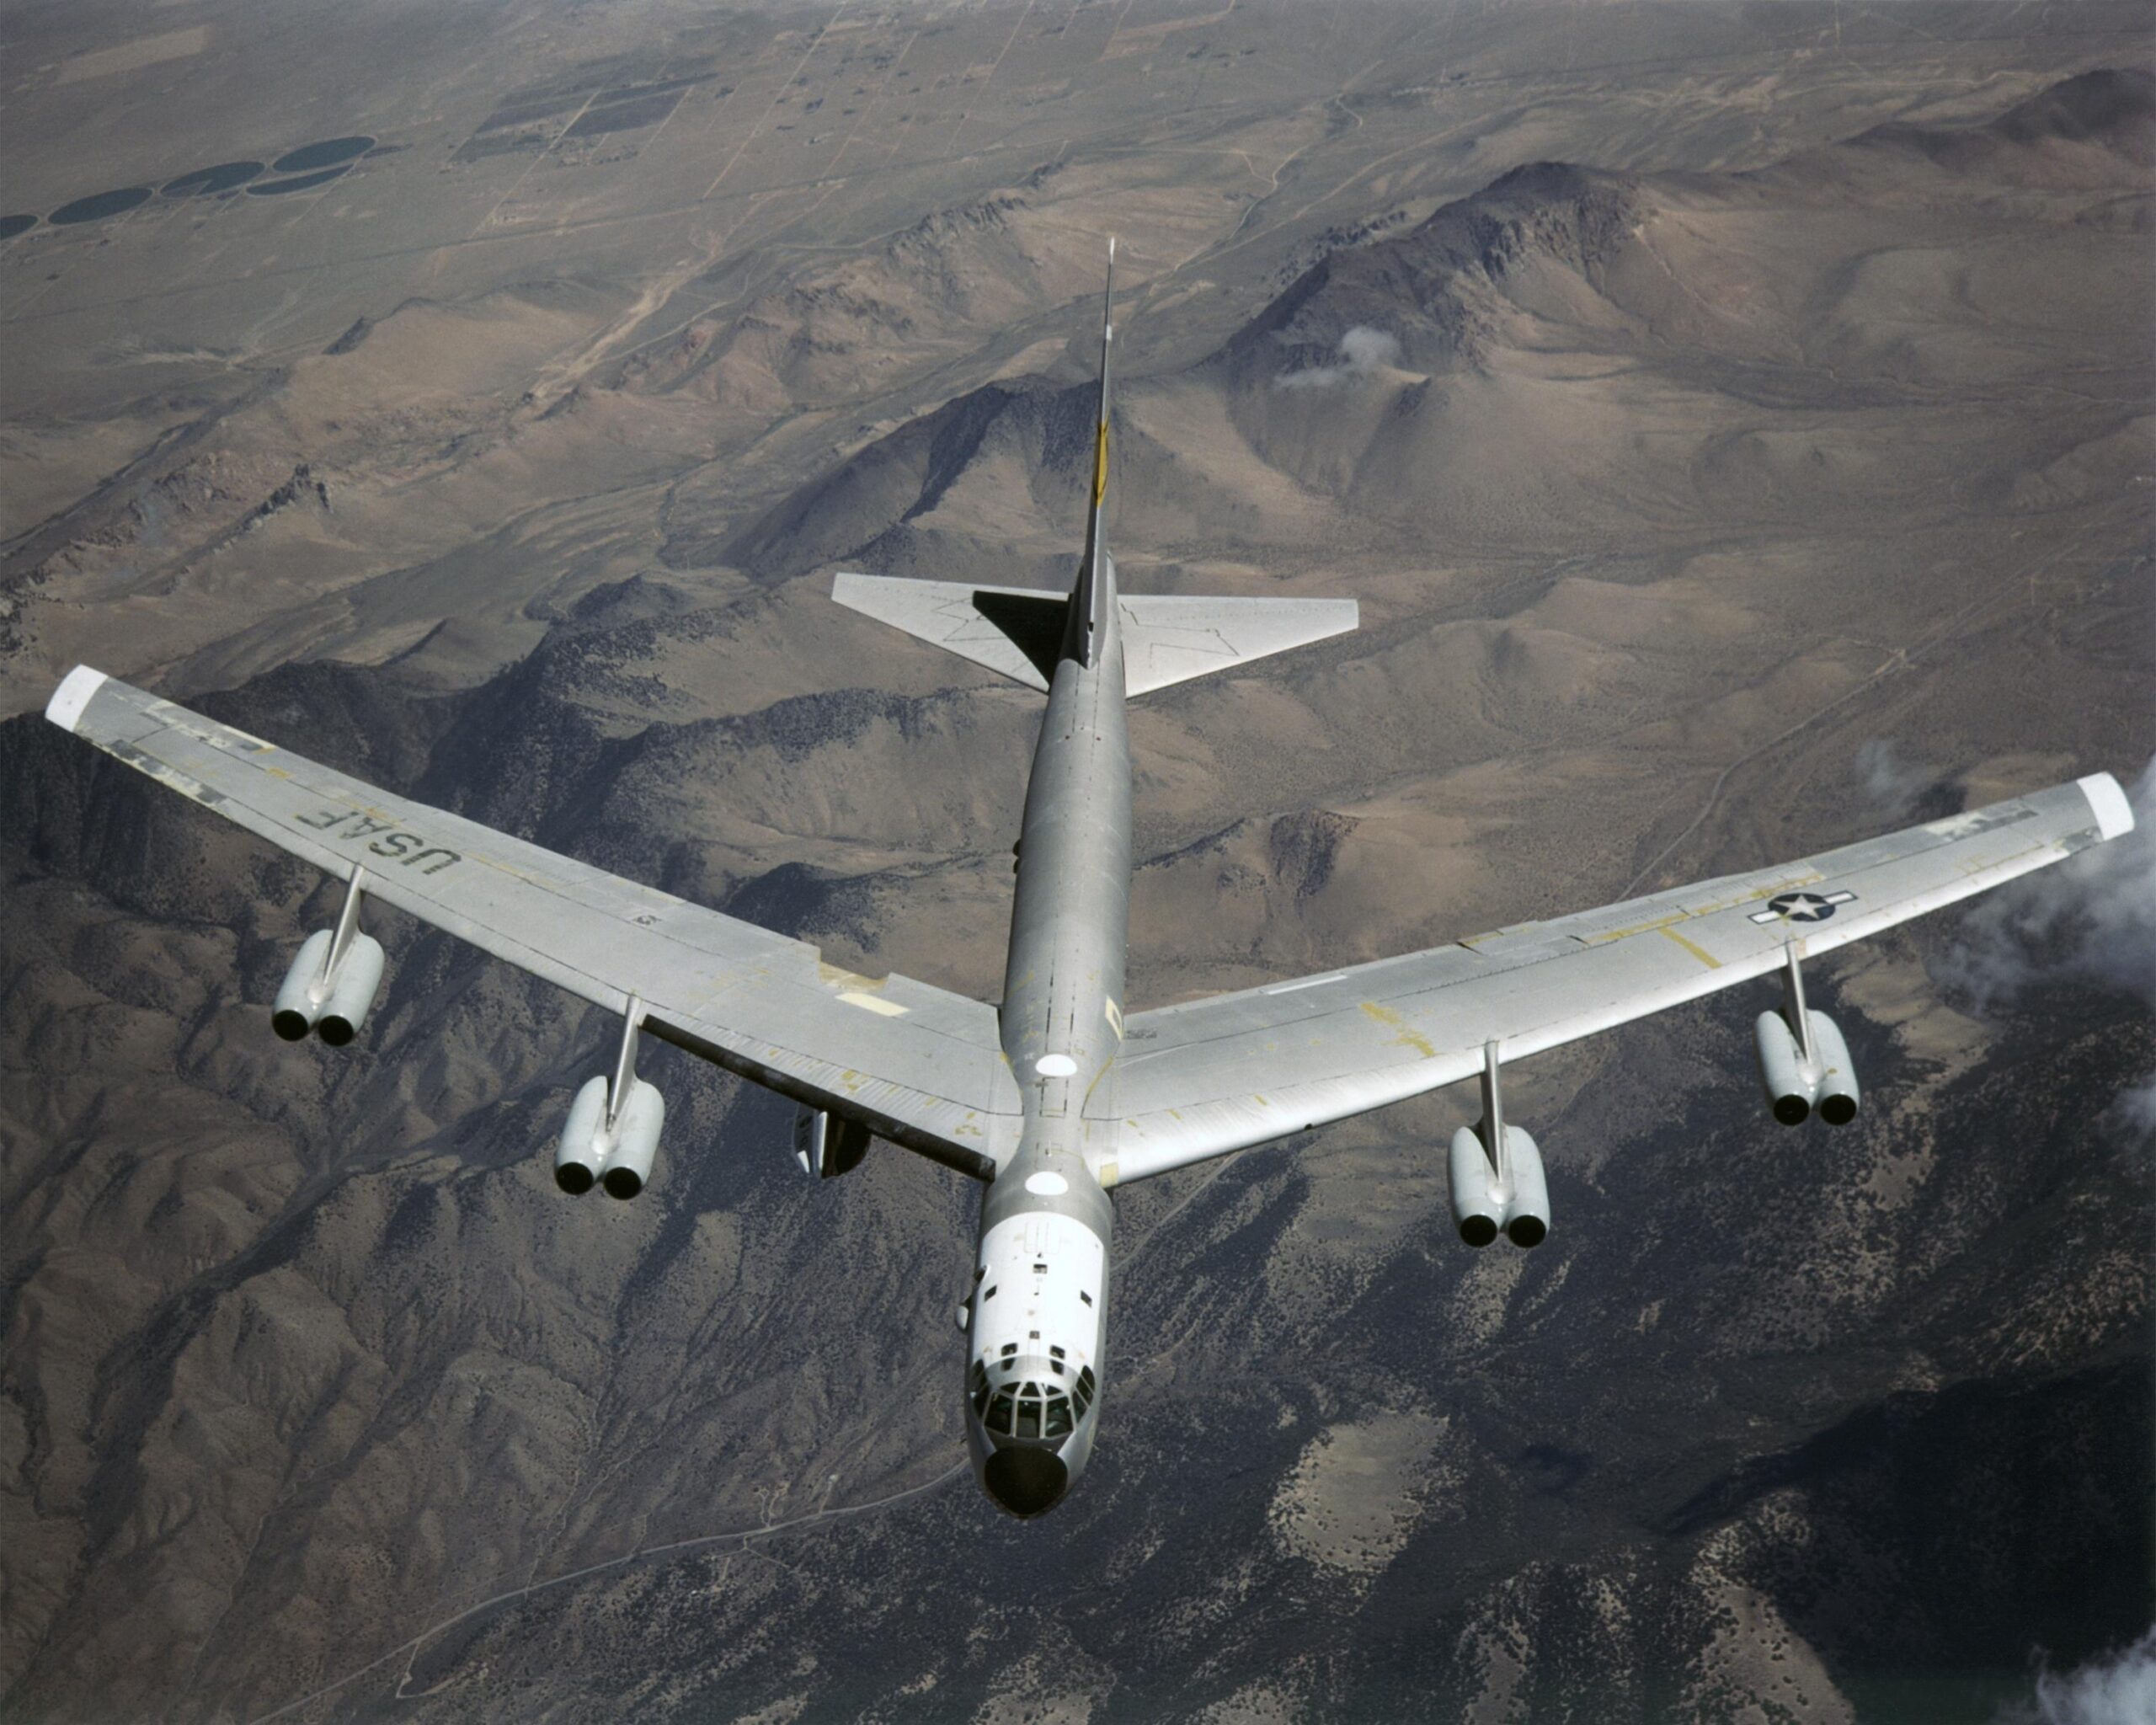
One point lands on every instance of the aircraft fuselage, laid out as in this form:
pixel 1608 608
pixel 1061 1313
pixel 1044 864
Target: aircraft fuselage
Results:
pixel 1036 1330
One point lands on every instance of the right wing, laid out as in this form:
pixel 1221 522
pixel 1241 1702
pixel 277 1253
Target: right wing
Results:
pixel 919 1067
pixel 1214 1076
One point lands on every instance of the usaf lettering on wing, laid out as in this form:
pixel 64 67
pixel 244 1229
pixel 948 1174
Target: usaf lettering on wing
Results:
pixel 395 843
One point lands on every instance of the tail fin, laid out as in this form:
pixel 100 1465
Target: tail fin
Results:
pixel 1021 633
pixel 1093 599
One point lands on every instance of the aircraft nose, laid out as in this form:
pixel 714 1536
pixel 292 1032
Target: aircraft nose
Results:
pixel 1025 1482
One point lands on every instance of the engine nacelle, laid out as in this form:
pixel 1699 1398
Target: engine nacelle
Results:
pixel 583 1149
pixel 636 1141
pixel 298 1004
pixel 334 1004
pixel 1795 1087
pixel 351 991
pixel 1837 1095
pixel 618 1158
pixel 1484 1203
pixel 1790 1090
pixel 826 1145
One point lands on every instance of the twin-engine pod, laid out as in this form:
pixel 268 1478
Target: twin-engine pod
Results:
pixel 1797 1085
pixel 612 1150
pixel 612 1132
pixel 1497 1182
pixel 1804 1063
pixel 333 980
pixel 826 1145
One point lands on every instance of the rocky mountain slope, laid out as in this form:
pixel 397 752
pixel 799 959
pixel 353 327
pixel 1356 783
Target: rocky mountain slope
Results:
pixel 1704 511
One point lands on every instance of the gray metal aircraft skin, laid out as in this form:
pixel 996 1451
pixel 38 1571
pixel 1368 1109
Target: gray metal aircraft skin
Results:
pixel 1058 1096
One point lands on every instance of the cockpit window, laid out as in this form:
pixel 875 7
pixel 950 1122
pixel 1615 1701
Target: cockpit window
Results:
pixel 1059 1418
pixel 998 1415
pixel 1010 1348
pixel 1029 1418
pixel 1083 1395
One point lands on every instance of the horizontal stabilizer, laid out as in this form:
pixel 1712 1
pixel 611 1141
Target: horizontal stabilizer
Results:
pixel 1169 638
pixel 1016 630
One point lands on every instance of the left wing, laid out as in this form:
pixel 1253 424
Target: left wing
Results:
pixel 1217 1075
pixel 919 1066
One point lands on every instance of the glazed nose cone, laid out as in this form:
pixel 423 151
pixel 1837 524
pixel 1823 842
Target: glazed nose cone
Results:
pixel 1025 1482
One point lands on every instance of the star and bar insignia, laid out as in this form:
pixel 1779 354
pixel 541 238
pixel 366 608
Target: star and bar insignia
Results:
pixel 1802 907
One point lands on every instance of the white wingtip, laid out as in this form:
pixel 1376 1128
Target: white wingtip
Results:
pixel 2114 813
pixel 65 708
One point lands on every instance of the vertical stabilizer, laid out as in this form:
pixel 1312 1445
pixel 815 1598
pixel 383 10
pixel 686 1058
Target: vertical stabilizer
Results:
pixel 1092 600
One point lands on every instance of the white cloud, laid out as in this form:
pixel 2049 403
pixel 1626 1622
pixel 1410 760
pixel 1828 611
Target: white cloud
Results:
pixel 1363 350
pixel 1891 780
pixel 2090 919
pixel 2118 1691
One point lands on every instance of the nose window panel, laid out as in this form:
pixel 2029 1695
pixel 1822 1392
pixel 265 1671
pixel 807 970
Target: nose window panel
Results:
pixel 1059 1418
pixel 1029 1418
pixel 998 1415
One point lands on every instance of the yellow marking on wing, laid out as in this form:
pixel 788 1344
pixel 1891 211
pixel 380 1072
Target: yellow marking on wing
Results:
pixel 1409 1037
pixel 1101 465
pixel 1604 937
pixel 869 1003
pixel 1698 951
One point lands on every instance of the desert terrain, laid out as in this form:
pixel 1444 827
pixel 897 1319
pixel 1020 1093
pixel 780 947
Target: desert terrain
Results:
pixel 1735 423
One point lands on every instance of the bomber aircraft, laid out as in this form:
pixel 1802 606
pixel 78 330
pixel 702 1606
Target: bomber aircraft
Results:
pixel 1057 1096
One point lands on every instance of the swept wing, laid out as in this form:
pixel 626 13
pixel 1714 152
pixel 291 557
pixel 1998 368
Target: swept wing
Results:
pixel 921 1066
pixel 1214 1076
